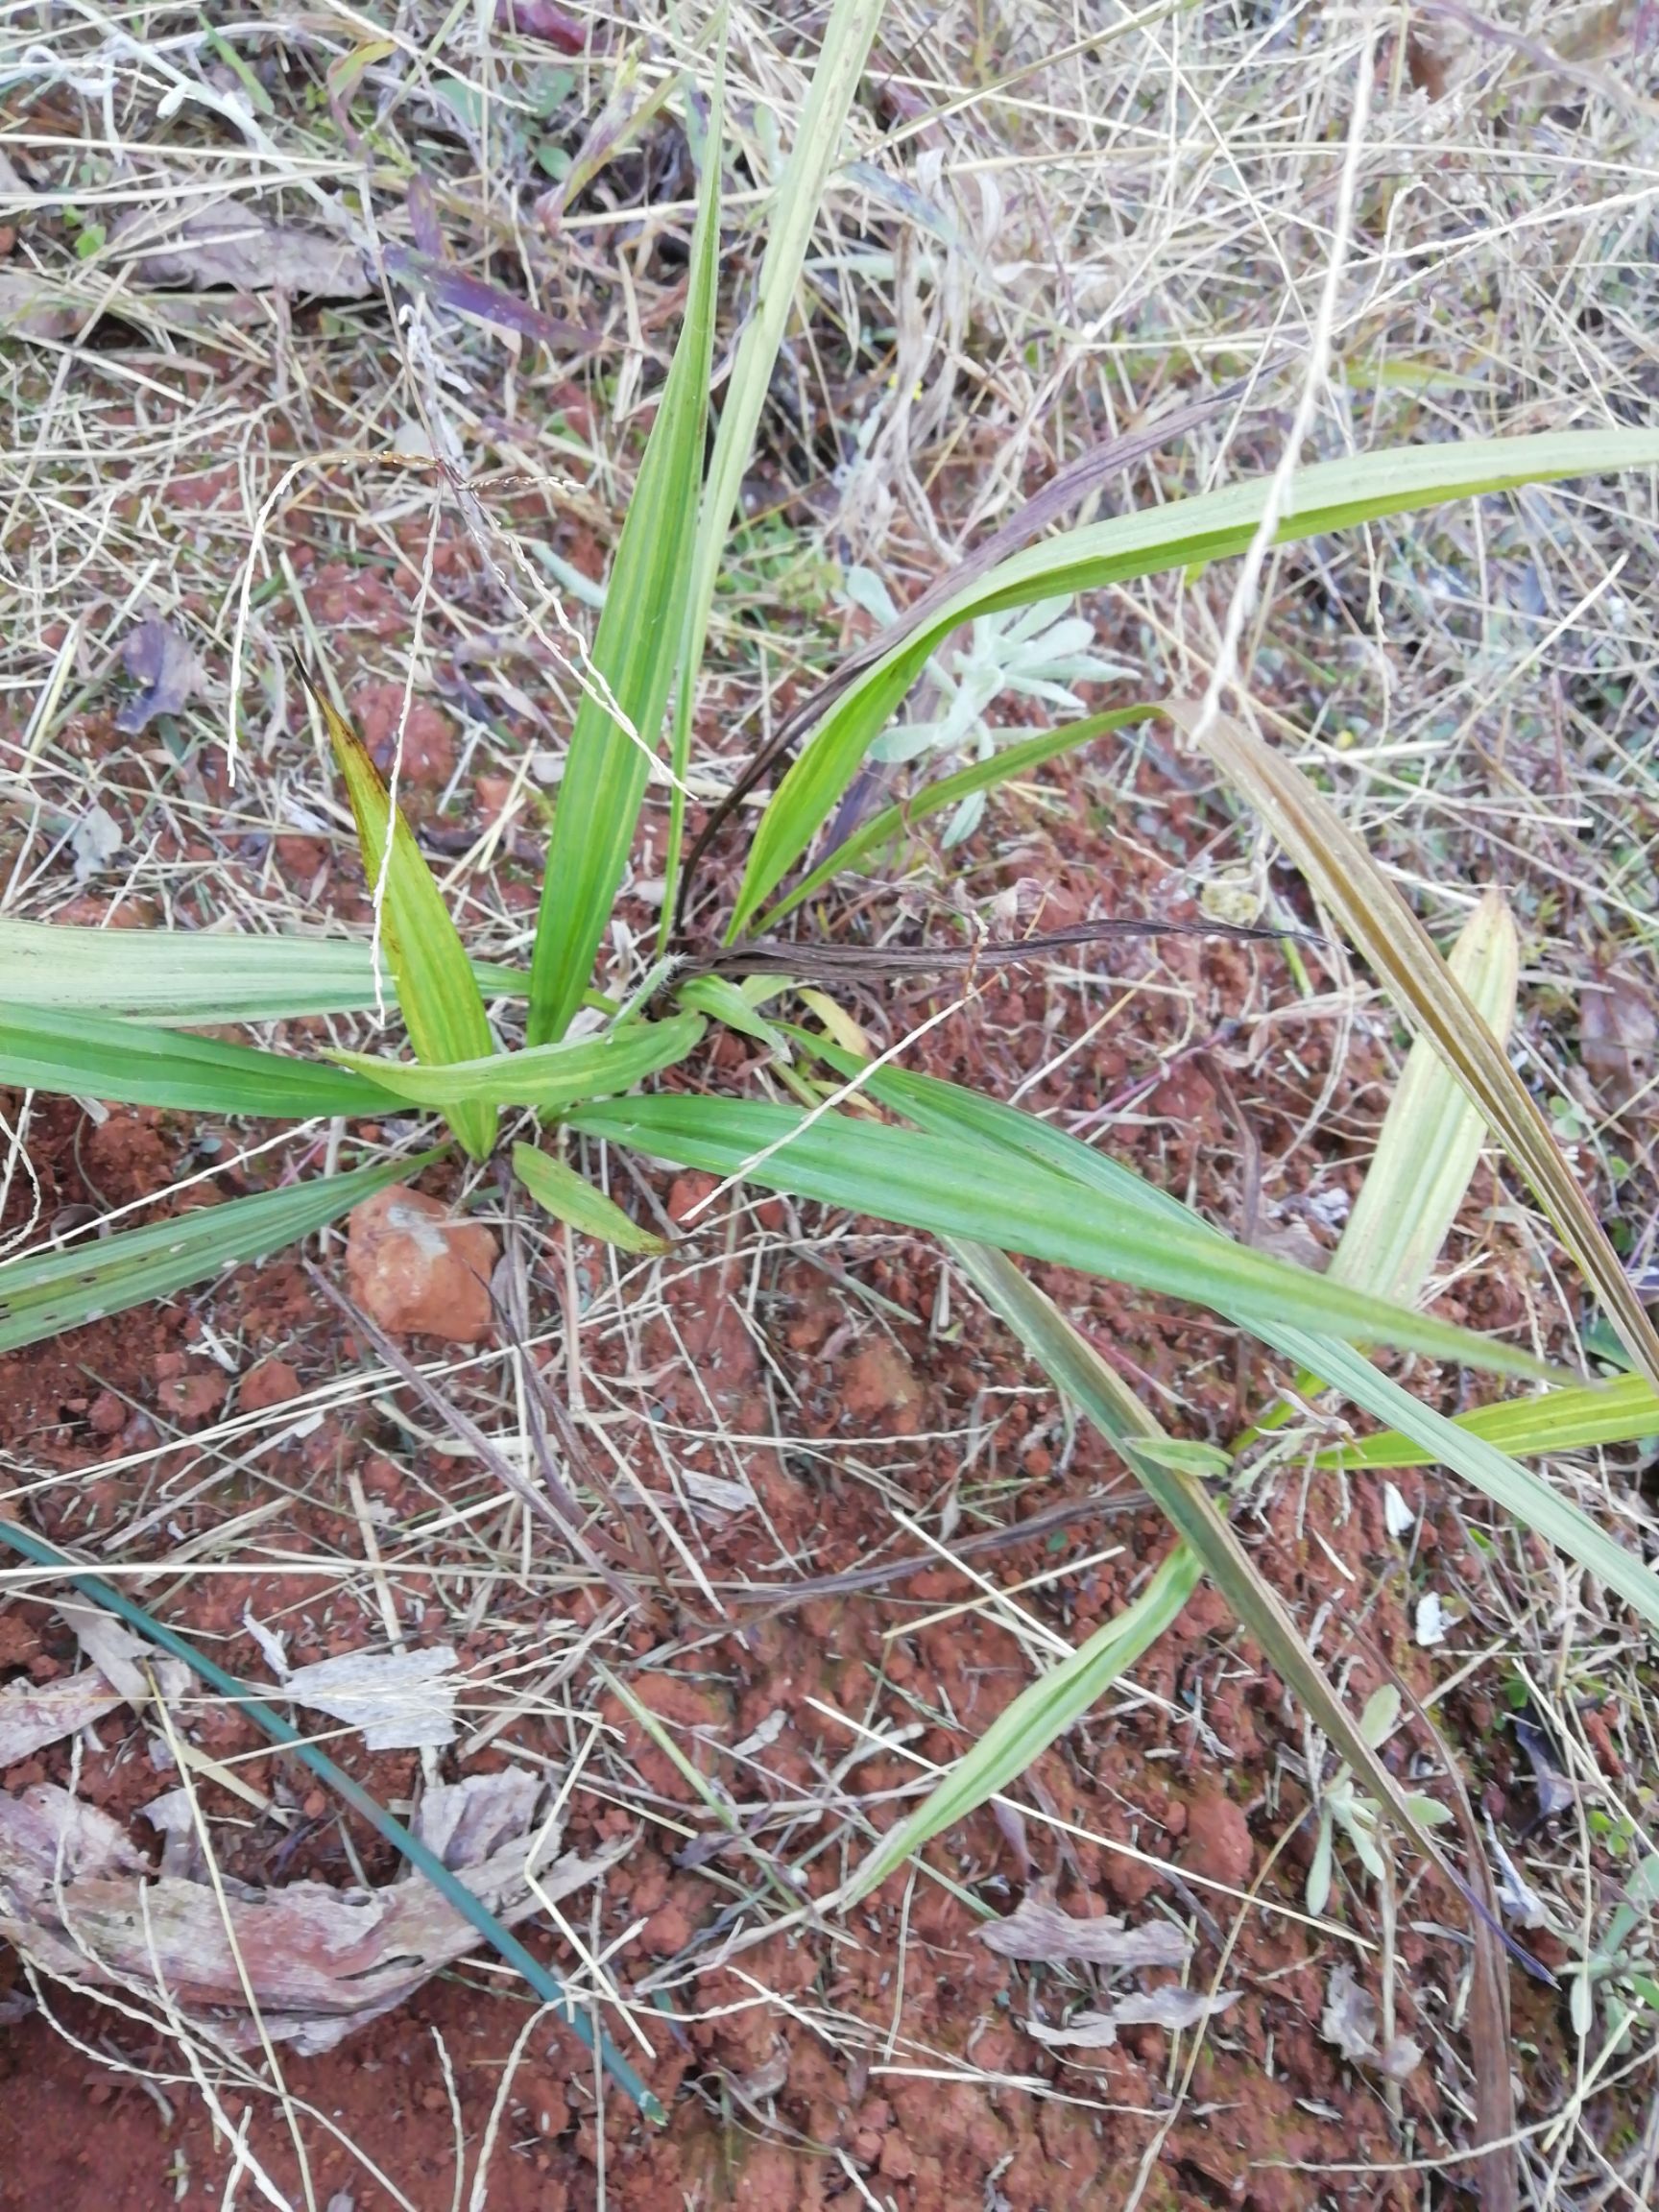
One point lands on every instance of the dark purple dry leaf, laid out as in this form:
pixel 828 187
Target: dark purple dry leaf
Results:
pixel 1555 1790
pixel 473 296
pixel 544 20
pixel 161 662
pixel 423 219
pixel 1044 1934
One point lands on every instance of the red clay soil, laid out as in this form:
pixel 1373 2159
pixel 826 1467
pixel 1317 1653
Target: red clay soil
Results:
pixel 814 2073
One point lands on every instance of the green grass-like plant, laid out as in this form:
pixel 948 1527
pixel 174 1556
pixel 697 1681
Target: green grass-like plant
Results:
pixel 990 1179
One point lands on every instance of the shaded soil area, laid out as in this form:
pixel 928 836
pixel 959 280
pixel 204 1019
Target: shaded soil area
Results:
pixel 808 1654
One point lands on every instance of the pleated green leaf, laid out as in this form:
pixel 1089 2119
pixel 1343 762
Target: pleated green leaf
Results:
pixel 551 1077
pixel 1620 1412
pixel 637 651
pixel 441 1009
pixel 558 1189
pixel 1432 1136
pixel 192 977
pixel 788 220
pixel 1351 886
pixel 956 1187
pixel 944 1110
pixel 736 1005
pixel 129 1063
pixel 1037 1717
pixel 1079 1372
pixel 1331 496
pixel 44 1292
pixel 938 798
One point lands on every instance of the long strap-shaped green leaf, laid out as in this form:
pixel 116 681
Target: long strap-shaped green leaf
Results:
pixel 1003 768
pixel 83 1055
pixel 1430 1143
pixel 790 216
pixel 1352 886
pixel 635 651
pixel 1076 1369
pixel 1577 1420
pixel 191 976
pixel 948 1110
pixel 952 1188
pixel 41 1292
pixel 550 1076
pixel 424 1860
pixel 1332 495
pixel 441 1009
pixel 1042 1713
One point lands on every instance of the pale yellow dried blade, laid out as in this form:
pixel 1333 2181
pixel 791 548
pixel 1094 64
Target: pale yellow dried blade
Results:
pixel 1432 1136
pixel 1356 892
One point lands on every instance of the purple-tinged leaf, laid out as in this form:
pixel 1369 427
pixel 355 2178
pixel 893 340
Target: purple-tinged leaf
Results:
pixel 547 20
pixel 168 673
pixel 473 296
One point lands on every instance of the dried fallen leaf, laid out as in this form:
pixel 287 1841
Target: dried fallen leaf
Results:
pixel 1349 2020
pixel 716 1495
pixel 37 306
pixel 1432 1619
pixel 1519 1900
pixel 173 1817
pixel 273 1646
pixel 1043 1933
pixel 51 308
pixel 232 245
pixel 768 2078
pixel 1618 1039
pixel 467 1821
pixel 81 1902
pixel 400 1700
pixel 166 670
pixel 1083 2032
pixel 94 842
pixel 1172 2007
pixel 127 1664
pixel 34 1714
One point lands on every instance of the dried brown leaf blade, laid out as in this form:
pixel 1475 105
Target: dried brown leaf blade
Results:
pixel 228 245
